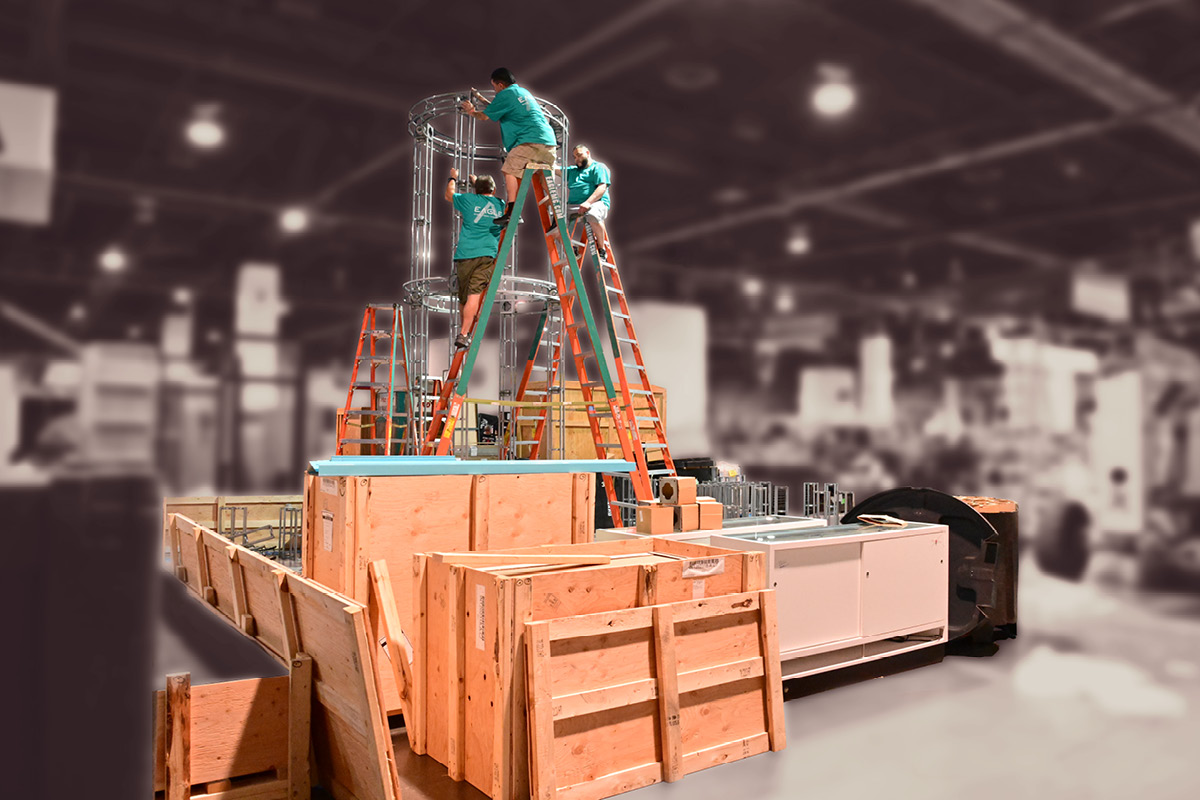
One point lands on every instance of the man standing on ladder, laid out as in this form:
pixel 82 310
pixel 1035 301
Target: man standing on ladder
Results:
pixel 478 241
pixel 524 131
pixel 588 183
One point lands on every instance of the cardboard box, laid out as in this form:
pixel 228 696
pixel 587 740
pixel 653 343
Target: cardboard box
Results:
pixel 711 516
pixel 654 518
pixel 677 491
pixel 687 518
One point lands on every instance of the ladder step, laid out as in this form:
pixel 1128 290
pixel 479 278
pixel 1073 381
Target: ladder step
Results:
pixel 382 306
pixel 378 334
pixel 526 441
pixel 367 441
pixel 642 392
pixel 361 412
pixel 638 367
pixel 370 385
pixel 376 359
pixel 646 419
pixel 627 341
pixel 613 290
pixel 536 418
pixel 608 445
pixel 619 315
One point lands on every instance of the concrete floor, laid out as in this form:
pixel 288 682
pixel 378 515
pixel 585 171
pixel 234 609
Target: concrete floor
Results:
pixel 1099 697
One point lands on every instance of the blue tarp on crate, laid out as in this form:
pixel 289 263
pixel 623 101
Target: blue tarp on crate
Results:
pixel 370 466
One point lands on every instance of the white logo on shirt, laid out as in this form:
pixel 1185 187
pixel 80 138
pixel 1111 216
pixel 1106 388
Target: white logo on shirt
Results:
pixel 486 211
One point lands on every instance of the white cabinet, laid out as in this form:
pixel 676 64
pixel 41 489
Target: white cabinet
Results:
pixel 852 593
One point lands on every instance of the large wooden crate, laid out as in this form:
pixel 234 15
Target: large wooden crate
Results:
pixel 352 521
pixel 291 616
pixel 236 738
pixel 578 434
pixel 624 699
pixel 469 706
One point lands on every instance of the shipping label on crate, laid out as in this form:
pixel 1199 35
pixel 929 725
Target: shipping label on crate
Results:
pixel 704 567
pixel 480 618
pixel 329 486
pixel 327 523
pixel 698 589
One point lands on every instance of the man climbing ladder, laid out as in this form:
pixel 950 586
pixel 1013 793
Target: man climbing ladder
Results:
pixel 616 403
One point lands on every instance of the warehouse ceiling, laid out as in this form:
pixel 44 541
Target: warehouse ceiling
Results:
pixel 995 144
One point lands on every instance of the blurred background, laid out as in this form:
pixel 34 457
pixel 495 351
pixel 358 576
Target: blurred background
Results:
pixel 884 243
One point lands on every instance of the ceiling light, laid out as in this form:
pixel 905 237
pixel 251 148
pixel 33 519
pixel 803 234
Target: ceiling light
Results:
pixel 294 220
pixel 134 331
pixel 752 287
pixel 113 259
pixel 798 241
pixel 77 312
pixel 785 302
pixel 834 94
pixel 182 295
pixel 205 130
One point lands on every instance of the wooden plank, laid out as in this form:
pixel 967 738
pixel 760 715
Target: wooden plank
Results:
pixel 357 545
pixel 623 620
pixel 259 790
pixel 379 739
pixel 480 560
pixel 287 615
pixel 583 508
pixel 502 717
pixel 696 679
pixel 241 609
pixel 616 783
pixel 204 585
pixel 440 714
pixel 177 734
pixel 416 725
pixel 769 631
pixel 299 727
pixel 481 687
pixel 717 606
pixel 398 653
pixel 262 601
pixel 754 572
pixel 542 780
pixel 521 613
pixel 668 693
pixel 604 698
pixel 724 753
pixel 456 635
pixel 479 512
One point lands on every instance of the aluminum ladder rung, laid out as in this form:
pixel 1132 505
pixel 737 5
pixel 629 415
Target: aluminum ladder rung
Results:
pixel 643 392
pixel 377 385
pixel 626 341
pixel 525 441
pixel 608 445
pixel 368 441
pixel 376 359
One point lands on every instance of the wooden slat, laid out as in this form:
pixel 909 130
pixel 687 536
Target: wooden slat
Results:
pixel 480 560
pixel 754 572
pixel 202 576
pixel 624 620
pixel 543 785
pixel 616 783
pixel 479 512
pixel 379 749
pixel 522 612
pixel 264 790
pixel 604 698
pixel 668 693
pixel 698 679
pixel 583 509
pixel 399 654
pixel 177 734
pixel 416 725
pixel 769 632
pixel 724 753
pixel 502 718
pixel 287 615
pixel 299 727
pixel 454 673
pixel 241 609
pixel 718 606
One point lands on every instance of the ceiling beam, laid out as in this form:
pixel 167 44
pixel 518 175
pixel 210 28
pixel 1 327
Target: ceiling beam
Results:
pixel 1039 44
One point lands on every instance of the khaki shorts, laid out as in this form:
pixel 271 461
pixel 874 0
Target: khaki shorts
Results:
pixel 474 275
pixel 523 154
pixel 598 212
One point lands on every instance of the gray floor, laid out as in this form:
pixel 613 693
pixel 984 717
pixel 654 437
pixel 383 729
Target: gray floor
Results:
pixel 1099 697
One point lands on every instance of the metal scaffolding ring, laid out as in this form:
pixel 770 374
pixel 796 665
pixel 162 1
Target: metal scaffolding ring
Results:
pixel 519 293
pixel 424 113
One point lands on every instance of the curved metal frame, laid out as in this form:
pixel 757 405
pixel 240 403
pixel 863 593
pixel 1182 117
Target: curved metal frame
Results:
pixel 438 127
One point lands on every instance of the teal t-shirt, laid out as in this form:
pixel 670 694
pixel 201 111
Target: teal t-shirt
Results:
pixel 582 182
pixel 478 236
pixel 521 118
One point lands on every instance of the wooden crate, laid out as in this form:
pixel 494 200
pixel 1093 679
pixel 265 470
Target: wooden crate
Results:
pixel 578 434
pixel 352 521
pixel 289 616
pixel 231 738
pixel 469 709
pixel 621 700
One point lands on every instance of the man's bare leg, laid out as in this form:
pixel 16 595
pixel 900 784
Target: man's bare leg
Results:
pixel 470 313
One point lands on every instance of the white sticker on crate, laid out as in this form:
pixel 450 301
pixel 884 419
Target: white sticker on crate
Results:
pixel 329 486
pixel 327 522
pixel 704 567
pixel 480 618
pixel 698 589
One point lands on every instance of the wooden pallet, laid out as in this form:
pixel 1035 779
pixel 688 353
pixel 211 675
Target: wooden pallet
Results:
pixel 469 708
pixel 351 521
pixel 238 739
pixel 622 700
pixel 289 615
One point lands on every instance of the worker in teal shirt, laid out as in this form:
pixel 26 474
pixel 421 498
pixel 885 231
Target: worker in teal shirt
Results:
pixel 524 131
pixel 588 185
pixel 478 243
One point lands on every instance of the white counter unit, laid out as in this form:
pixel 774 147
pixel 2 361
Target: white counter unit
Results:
pixel 734 525
pixel 852 593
